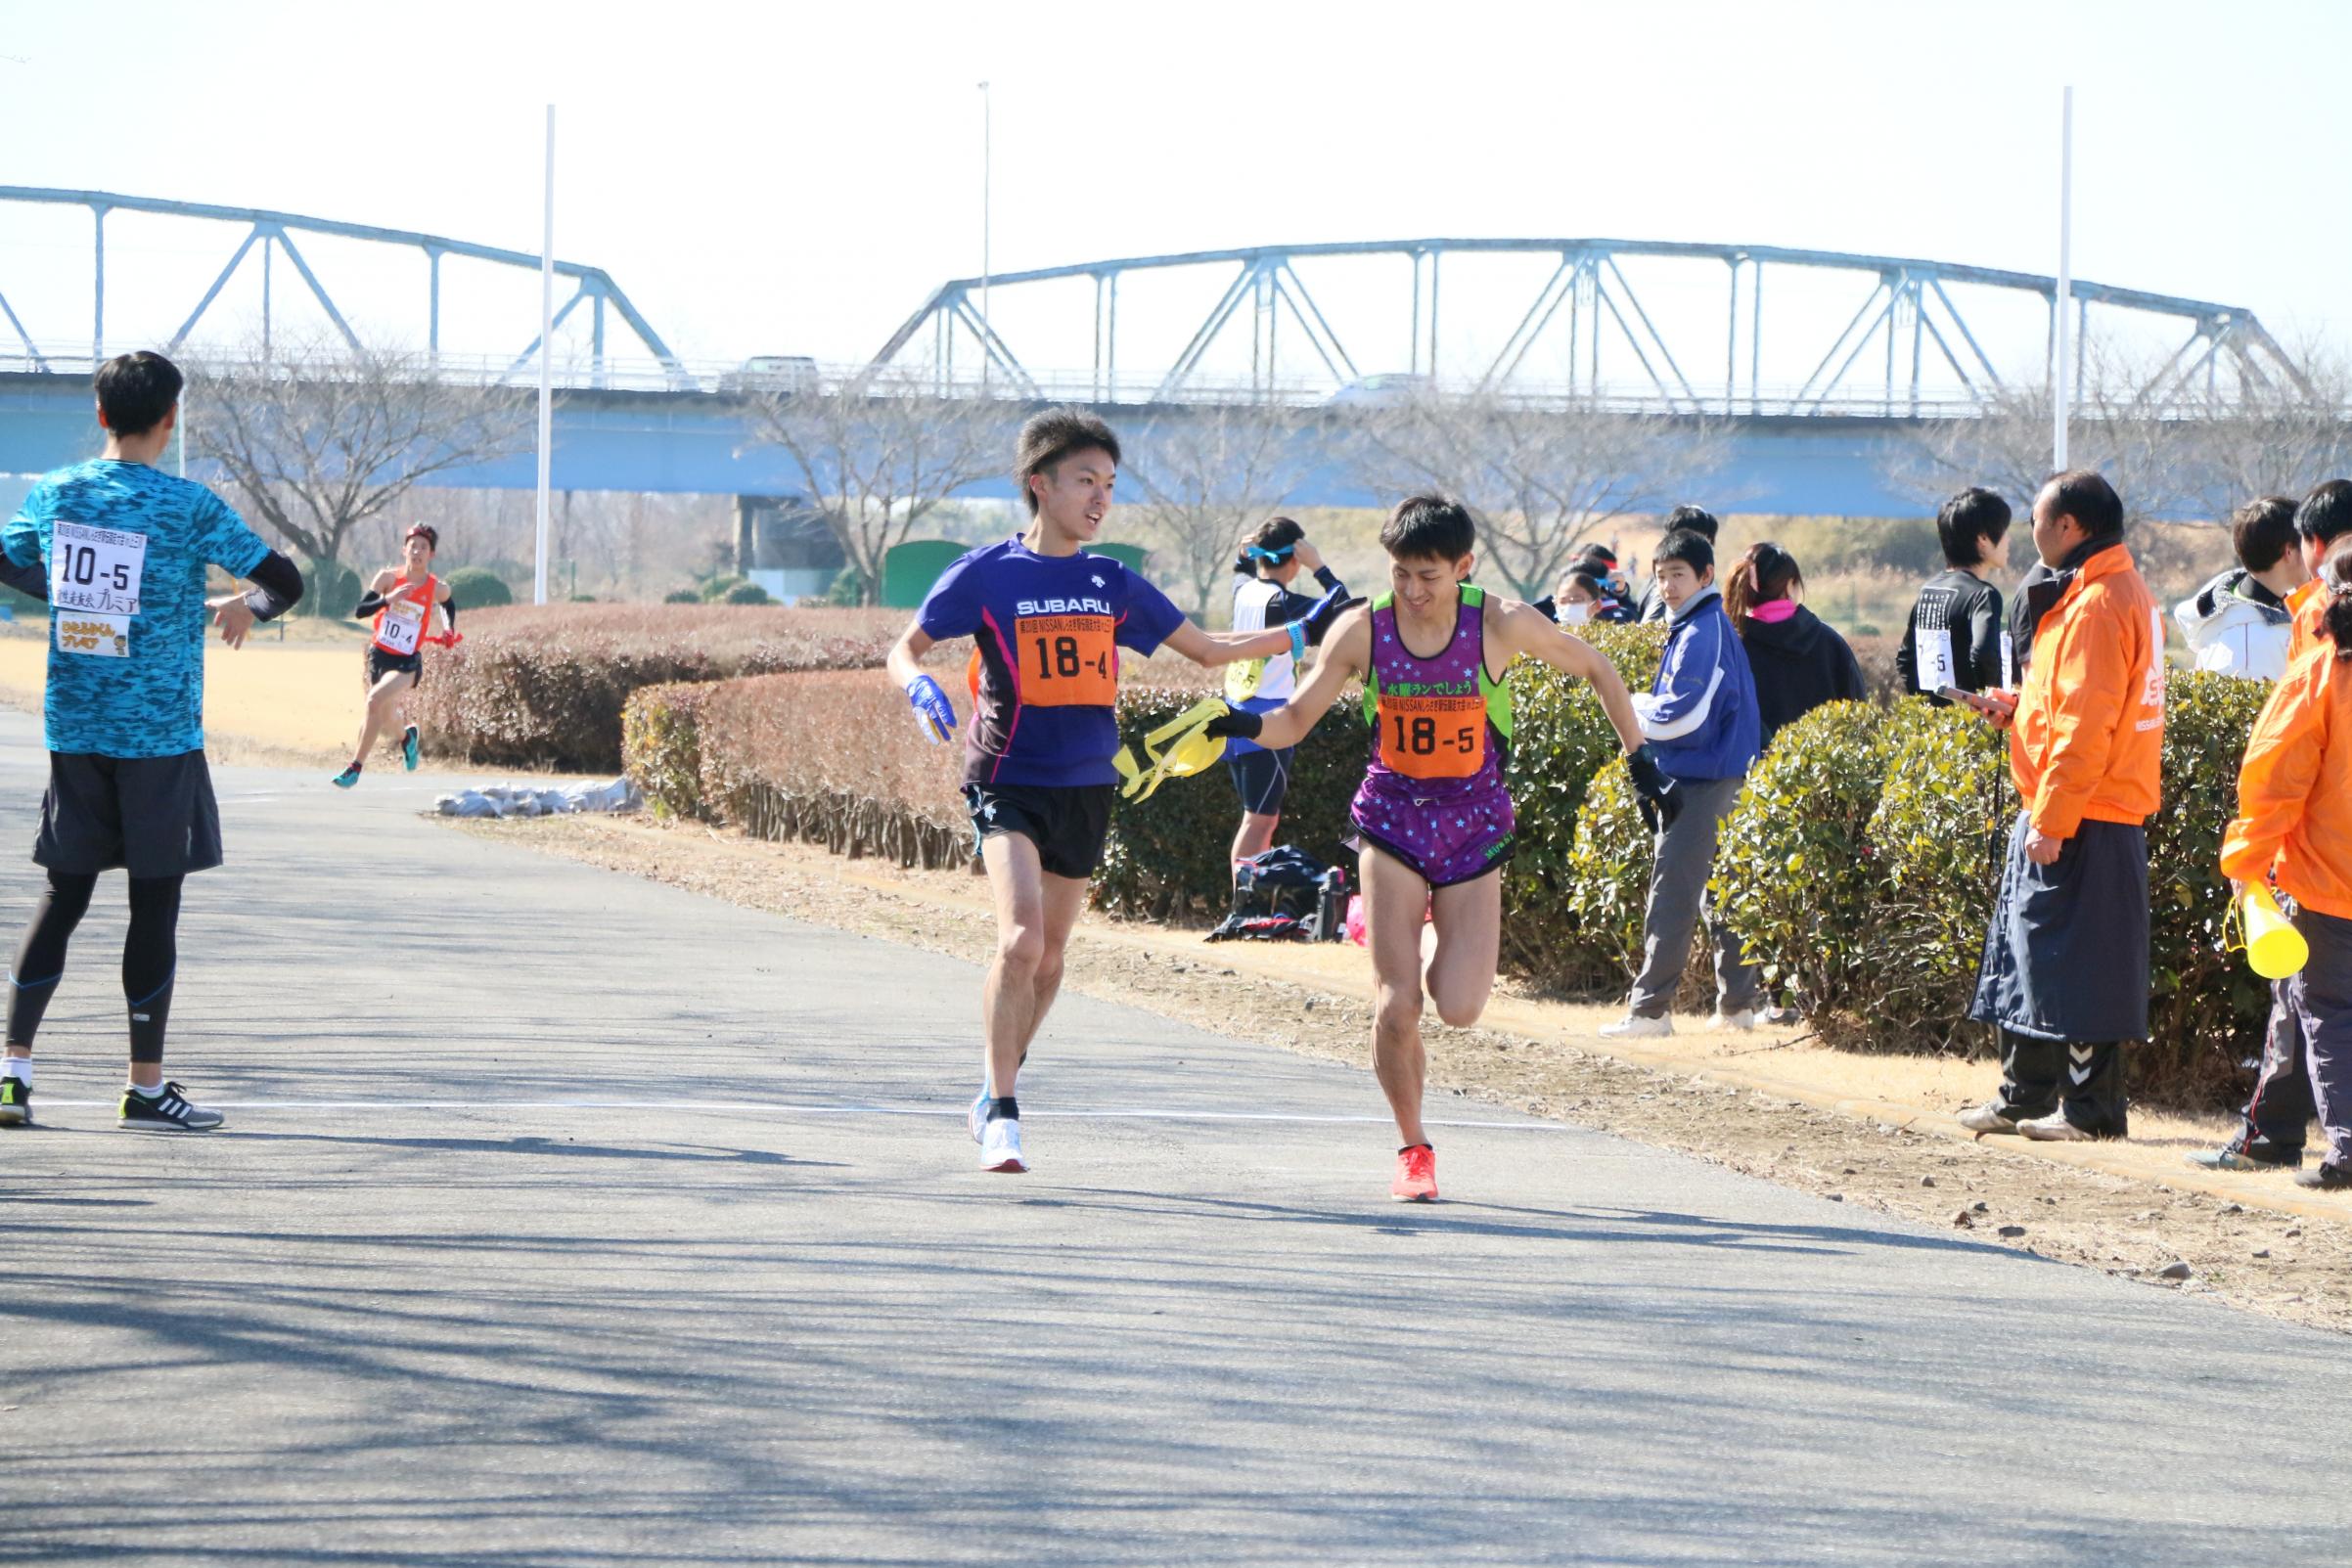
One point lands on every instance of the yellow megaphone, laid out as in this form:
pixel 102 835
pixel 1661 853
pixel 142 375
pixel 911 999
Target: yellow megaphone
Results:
pixel 2274 948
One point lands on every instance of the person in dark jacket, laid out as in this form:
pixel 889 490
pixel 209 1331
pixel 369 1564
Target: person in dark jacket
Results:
pixel 1955 637
pixel 1797 658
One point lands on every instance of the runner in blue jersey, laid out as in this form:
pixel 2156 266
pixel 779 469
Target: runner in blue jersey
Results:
pixel 1050 621
pixel 126 547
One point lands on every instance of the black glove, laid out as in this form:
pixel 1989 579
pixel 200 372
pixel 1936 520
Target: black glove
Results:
pixel 1654 794
pixel 1234 720
pixel 1326 609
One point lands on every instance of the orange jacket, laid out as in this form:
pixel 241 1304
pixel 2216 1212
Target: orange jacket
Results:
pixel 2294 785
pixel 2089 737
pixel 2308 604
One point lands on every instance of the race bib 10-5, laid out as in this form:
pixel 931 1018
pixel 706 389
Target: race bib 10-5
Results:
pixel 96 570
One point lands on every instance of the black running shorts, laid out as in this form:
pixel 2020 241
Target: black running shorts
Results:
pixel 149 816
pixel 380 663
pixel 1261 778
pixel 1067 824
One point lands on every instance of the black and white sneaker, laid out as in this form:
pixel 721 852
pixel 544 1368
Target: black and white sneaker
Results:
pixel 15 1102
pixel 167 1110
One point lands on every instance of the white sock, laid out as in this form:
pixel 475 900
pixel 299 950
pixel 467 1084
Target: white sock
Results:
pixel 18 1067
pixel 149 1093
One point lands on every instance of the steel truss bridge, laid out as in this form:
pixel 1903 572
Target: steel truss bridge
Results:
pixel 1906 320
pixel 635 417
pixel 274 234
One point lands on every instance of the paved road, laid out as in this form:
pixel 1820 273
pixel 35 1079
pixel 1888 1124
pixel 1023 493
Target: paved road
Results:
pixel 568 1219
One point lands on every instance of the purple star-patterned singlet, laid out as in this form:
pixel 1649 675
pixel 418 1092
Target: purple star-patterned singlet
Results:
pixel 1432 796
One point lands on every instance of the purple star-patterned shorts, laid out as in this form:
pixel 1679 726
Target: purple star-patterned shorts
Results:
pixel 1446 838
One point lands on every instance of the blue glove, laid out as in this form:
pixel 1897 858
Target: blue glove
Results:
pixel 932 711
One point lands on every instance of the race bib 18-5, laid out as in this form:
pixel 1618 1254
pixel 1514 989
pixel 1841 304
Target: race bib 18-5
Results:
pixel 96 570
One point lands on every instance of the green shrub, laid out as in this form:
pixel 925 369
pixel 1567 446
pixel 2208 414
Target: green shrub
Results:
pixel 2207 1010
pixel 1561 739
pixel 661 746
pixel 479 588
pixel 1937 835
pixel 1794 868
pixel 1595 941
pixel 329 590
pixel 848 590
pixel 747 594
pixel 681 595
pixel 717 588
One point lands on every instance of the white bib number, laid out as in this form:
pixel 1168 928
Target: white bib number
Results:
pixel 1931 658
pixel 96 570
pixel 403 626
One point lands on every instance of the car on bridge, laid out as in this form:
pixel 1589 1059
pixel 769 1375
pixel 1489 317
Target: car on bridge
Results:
pixel 1384 390
pixel 772 372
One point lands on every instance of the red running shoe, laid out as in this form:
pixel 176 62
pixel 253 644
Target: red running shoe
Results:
pixel 1416 1175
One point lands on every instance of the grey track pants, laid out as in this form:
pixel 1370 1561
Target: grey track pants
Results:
pixel 1678 901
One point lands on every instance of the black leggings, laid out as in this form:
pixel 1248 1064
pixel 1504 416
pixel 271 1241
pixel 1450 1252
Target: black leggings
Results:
pixel 151 951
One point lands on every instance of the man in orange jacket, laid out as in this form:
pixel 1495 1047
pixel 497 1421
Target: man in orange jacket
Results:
pixel 2292 831
pixel 2065 973
pixel 2324 518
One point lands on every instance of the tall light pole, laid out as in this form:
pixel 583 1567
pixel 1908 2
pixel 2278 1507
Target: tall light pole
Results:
pixel 2061 381
pixel 547 327
pixel 987 162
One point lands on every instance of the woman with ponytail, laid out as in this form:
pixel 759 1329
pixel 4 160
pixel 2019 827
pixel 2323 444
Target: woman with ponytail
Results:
pixel 2294 831
pixel 1799 661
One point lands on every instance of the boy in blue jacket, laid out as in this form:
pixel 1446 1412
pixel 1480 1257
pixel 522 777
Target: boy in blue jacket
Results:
pixel 1701 719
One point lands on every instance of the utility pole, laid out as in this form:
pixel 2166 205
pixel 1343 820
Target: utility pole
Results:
pixel 547 327
pixel 2061 378
pixel 987 162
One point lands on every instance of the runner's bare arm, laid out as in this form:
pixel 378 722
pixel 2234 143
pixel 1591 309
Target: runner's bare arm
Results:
pixel 1519 628
pixel 1213 649
pixel 1346 653
pixel 906 654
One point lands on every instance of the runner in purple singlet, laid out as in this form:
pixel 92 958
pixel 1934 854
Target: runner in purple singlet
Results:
pixel 1433 818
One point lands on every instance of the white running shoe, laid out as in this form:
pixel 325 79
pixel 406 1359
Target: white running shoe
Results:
pixel 1633 1026
pixel 978 1118
pixel 1000 1146
pixel 1738 1020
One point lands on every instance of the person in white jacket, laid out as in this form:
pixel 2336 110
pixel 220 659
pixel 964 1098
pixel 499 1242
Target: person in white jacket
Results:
pixel 2238 623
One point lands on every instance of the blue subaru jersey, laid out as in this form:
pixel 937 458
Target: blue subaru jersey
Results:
pixel 1047 630
pixel 126 547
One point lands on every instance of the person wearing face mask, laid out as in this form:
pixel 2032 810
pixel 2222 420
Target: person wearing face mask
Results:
pixel 1798 660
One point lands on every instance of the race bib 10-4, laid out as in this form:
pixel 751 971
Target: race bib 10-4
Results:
pixel 96 570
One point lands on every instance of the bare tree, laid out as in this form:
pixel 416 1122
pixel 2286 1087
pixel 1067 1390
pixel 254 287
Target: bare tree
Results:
pixel 1539 479
pixel 321 439
pixel 2168 453
pixel 2276 437
pixel 877 452
pixel 1211 474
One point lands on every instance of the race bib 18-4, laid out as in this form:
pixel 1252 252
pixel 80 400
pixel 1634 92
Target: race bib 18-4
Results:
pixel 96 570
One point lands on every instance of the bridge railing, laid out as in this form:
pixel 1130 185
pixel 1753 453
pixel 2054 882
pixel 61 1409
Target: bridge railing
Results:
pixel 732 381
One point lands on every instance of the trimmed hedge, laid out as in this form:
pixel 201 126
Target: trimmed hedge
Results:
pixel 544 686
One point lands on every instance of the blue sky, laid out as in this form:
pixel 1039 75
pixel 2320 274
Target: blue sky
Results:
pixel 795 178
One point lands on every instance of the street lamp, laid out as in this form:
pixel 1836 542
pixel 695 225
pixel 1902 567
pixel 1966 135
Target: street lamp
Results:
pixel 987 332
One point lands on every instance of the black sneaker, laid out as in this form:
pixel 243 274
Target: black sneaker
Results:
pixel 167 1110
pixel 15 1102
pixel 2329 1176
